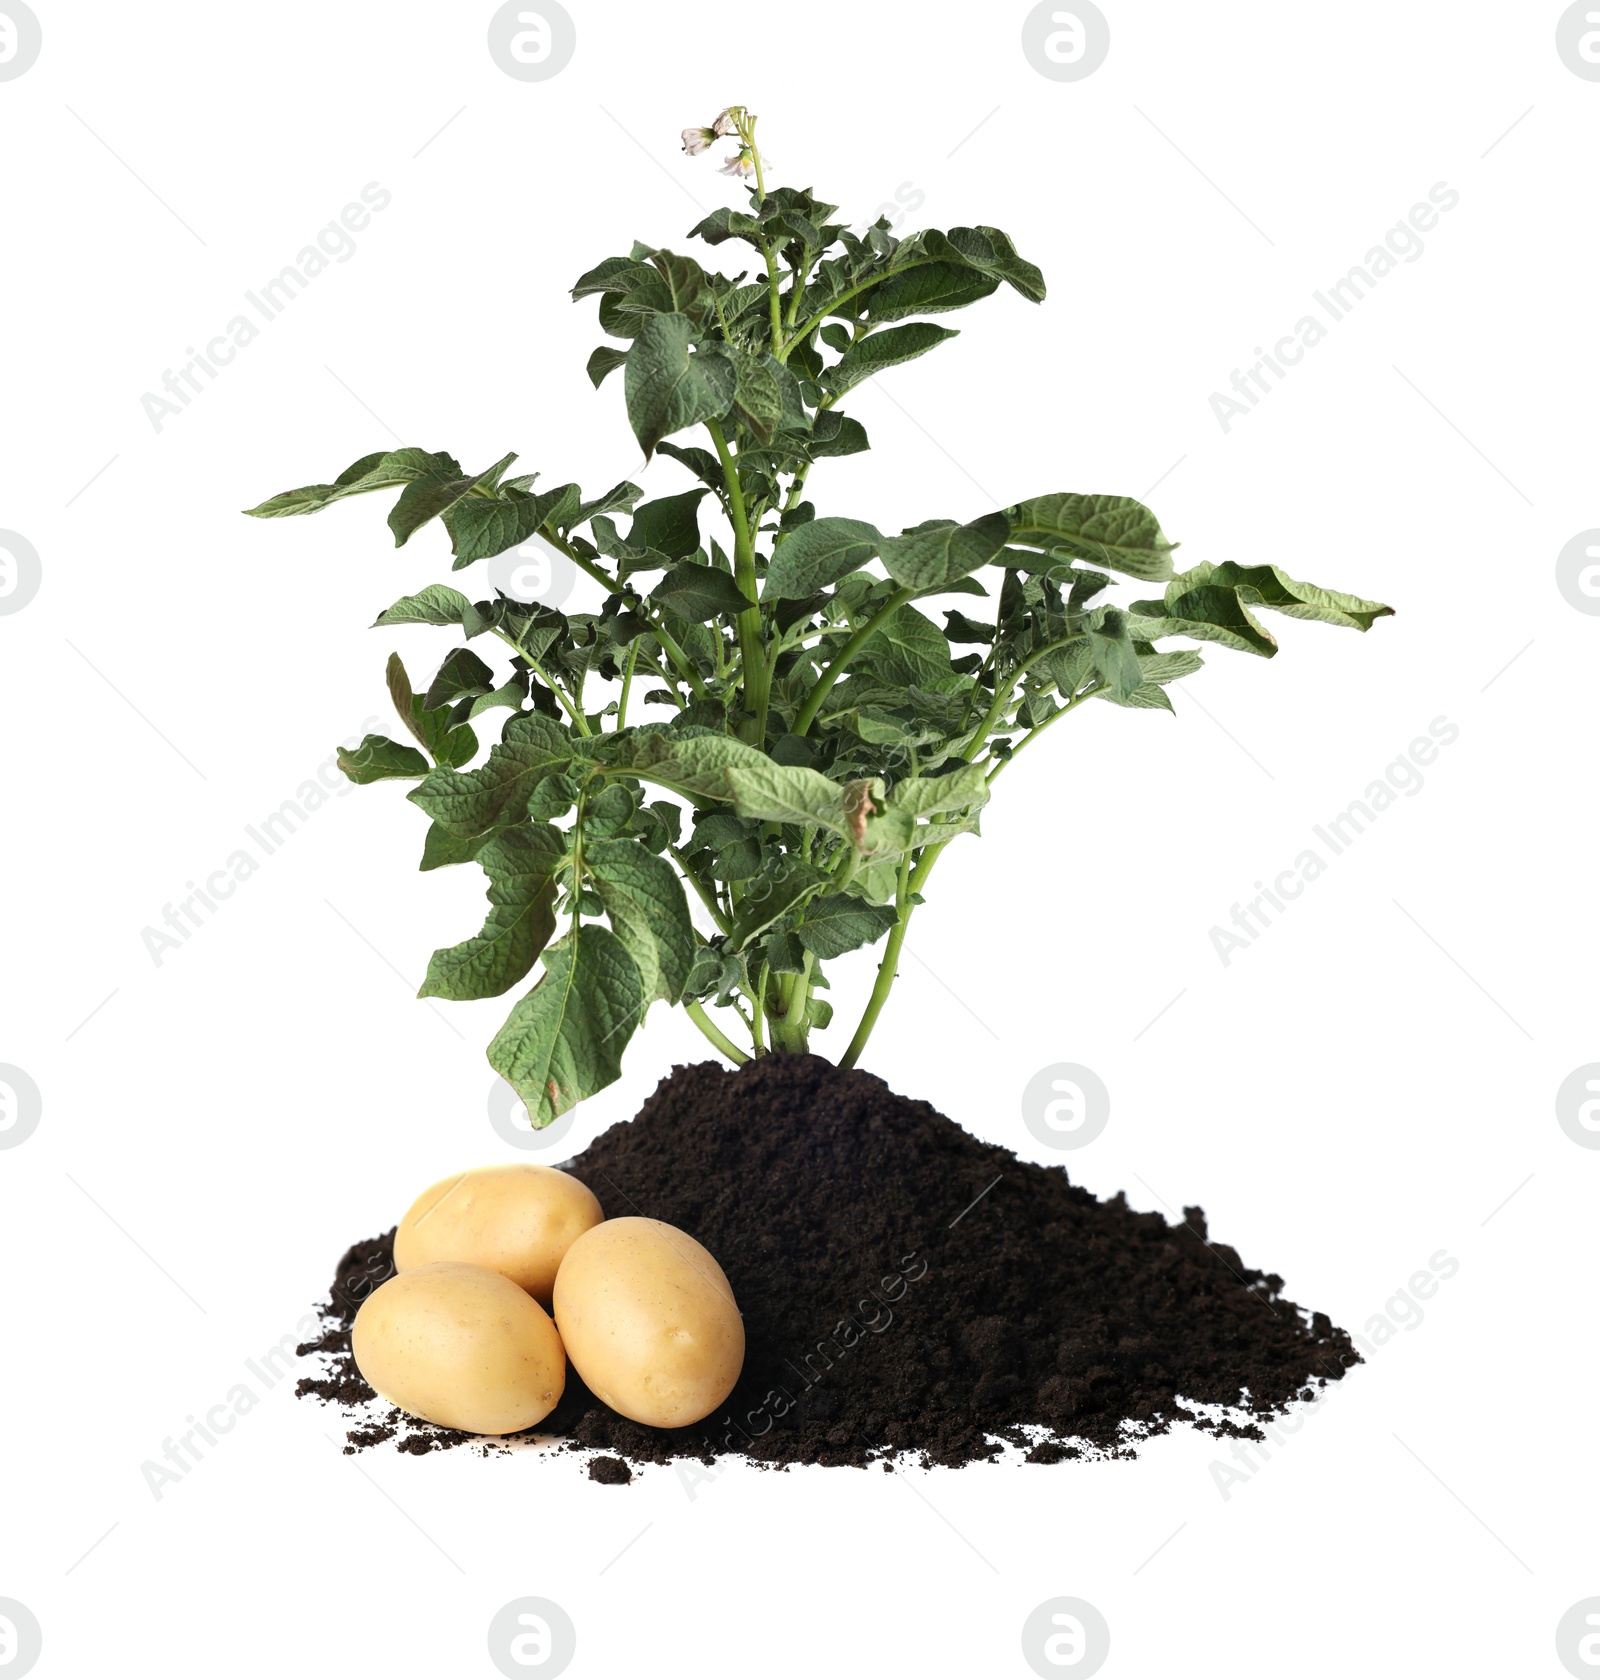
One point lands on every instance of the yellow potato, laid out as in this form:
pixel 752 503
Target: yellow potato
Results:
pixel 462 1347
pixel 517 1219
pixel 649 1322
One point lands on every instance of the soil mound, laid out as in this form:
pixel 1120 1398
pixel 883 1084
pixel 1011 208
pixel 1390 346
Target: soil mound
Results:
pixel 906 1288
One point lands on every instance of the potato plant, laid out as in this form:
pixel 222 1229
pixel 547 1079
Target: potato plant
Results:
pixel 789 733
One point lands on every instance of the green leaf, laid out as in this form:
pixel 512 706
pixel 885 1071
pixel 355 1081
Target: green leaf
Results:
pixel 883 350
pixel 724 223
pixel 928 289
pixel 1069 665
pixel 1168 667
pixel 1147 697
pixel 933 557
pixel 378 759
pixel 610 811
pixel 1114 531
pixel 1207 612
pixel 931 796
pixel 789 793
pixel 908 650
pixel 462 673
pixel 521 864
pixel 615 274
pixel 510 694
pixel 564 1040
pixel 444 743
pixel 605 359
pixel 1111 649
pixel 757 394
pixel 474 801
pixel 624 314
pixel 614 548
pixel 437 604
pixel 991 252
pixel 688 284
pixel 701 462
pixel 670 525
pixel 695 766
pixel 841 923
pixel 781 886
pixel 441 848
pixel 700 593
pixel 1267 586
pixel 817 554
pixel 481 527
pixel 433 493
pixel 833 433
pixel 382 471
pixel 650 915
pixel 618 499
pixel 668 388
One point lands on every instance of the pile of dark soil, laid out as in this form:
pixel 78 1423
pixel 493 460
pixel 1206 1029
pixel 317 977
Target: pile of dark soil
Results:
pixel 906 1288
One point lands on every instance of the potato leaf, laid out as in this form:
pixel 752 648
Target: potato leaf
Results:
pixel 521 864
pixel 564 1040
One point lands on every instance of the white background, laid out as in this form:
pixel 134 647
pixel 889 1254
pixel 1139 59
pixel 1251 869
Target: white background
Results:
pixel 1364 1086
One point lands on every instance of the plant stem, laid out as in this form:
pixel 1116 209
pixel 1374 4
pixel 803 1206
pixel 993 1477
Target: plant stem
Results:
pixel 792 498
pixel 699 886
pixel 844 297
pixel 693 1008
pixel 913 884
pixel 752 655
pixel 747 133
pixel 835 669
pixel 681 662
pixel 887 969
pixel 789 1031
pixel 577 862
pixel 627 684
pixel 656 671
pixel 579 721
pixel 1039 729
pixel 611 586
pixel 758 1010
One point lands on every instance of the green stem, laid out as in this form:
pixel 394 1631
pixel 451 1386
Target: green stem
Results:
pixel 758 1005
pixel 753 663
pixel 1039 729
pixel 844 297
pixel 701 890
pixel 611 586
pixel 693 1008
pixel 1005 693
pixel 747 133
pixel 681 662
pixel 797 286
pixel 792 499
pixel 577 861
pixel 910 884
pixel 796 992
pixel 656 671
pixel 835 669
pixel 579 721
pixel 627 684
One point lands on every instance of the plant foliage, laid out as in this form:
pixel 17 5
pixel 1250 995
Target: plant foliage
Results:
pixel 768 719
